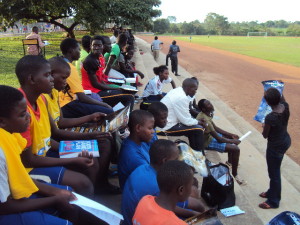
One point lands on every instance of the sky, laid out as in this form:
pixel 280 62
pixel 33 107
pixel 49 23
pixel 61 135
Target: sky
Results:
pixel 234 10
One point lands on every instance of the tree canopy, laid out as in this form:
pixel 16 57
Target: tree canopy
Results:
pixel 92 13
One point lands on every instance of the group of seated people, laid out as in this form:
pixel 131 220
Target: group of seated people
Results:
pixel 37 185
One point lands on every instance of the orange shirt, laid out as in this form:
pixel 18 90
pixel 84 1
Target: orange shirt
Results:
pixel 148 212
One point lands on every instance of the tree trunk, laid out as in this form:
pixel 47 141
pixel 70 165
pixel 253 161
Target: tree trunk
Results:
pixel 69 30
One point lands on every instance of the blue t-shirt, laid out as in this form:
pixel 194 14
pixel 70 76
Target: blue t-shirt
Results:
pixel 131 156
pixel 141 182
pixel 154 138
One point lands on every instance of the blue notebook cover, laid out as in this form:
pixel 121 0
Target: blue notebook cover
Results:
pixel 71 149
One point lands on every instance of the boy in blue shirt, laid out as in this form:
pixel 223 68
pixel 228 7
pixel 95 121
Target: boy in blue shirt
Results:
pixel 134 190
pixel 135 149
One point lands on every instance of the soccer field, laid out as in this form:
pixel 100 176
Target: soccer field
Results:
pixel 277 49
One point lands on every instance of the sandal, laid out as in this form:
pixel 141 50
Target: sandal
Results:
pixel 263 195
pixel 265 205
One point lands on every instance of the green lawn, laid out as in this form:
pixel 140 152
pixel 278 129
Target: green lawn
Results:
pixel 284 50
pixel 11 50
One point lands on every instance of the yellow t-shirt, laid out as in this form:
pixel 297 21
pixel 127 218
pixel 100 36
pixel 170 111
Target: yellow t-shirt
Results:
pixel 40 129
pixel 53 105
pixel 20 183
pixel 75 86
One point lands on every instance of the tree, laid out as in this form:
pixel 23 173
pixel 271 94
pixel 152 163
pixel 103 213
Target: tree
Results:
pixel 294 29
pixel 92 13
pixel 216 23
pixel 161 26
pixel 172 19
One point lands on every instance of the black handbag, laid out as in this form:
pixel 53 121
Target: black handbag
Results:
pixel 218 188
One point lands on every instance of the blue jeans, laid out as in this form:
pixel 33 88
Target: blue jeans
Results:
pixel 274 160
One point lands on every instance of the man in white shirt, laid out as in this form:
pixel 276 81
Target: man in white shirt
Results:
pixel 155 47
pixel 180 122
pixel 113 39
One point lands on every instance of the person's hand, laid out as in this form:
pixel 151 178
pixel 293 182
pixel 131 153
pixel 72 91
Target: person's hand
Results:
pixel 234 136
pixel 235 141
pixel 99 134
pixel 133 64
pixel 97 116
pixel 106 105
pixel 63 198
pixel 141 74
pixel 83 161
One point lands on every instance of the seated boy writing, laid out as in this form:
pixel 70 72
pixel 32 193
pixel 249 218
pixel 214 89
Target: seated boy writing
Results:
pixel 135 149
pixel 175 179
pixel 34 75
pixel 60 71
pixel 19 202
pixel 220 140
pixel 160 152
pixel 73 101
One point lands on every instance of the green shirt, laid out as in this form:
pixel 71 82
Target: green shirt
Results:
pixel 115 50
pixel 78 63
pixel 207 136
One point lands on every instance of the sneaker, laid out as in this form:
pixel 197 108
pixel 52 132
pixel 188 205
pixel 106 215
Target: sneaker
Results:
pixel 240 181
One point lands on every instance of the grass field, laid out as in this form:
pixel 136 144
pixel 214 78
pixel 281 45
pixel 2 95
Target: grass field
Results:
pixel 284 50
pixel 11 50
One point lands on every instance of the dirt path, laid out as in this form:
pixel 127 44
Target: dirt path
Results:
pixel 236 79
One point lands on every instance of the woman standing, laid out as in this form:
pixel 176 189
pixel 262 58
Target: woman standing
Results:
pixel 275 130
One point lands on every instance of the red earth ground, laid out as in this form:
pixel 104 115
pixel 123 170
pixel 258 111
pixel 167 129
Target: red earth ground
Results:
pixel 236 79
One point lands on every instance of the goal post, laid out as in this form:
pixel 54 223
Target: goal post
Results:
pixel 257 34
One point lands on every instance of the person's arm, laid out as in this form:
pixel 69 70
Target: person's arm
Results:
pixel 223 139
pixel 41 43
pixel 73 122
pixel 181 109
pixel 86 99
pixel 225 133
pixel 185 212
pixel 124 69
pixel 173 84
pixel 266 130
pixel 27 205
pixel 109 64
pixel 33 161
pixel 59 134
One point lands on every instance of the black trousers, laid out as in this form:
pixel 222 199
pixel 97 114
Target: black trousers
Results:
pixel 174 64
pixel 193 133
pixel 113 97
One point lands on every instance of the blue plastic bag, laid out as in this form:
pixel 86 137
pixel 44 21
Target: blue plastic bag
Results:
pixel 286 218
pixel 264 109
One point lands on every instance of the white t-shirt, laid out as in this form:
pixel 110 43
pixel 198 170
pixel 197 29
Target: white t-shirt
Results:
pixel 156 44
pixel 154 86
pixel 178 103
pixel 4 186
pixel 113 39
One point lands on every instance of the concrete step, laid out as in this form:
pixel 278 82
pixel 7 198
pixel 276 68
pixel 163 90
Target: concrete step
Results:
pixel 252 160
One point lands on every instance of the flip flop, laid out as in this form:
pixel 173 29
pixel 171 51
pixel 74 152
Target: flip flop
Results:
pixel 263 195
pixel 265 205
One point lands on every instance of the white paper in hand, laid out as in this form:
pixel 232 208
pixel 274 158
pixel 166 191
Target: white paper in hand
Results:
pixel 102 212
pixel 245 135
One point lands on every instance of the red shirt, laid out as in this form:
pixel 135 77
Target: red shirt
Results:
pixel 92 65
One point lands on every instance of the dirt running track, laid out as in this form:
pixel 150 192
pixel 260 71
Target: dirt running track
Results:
pixel 236 79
